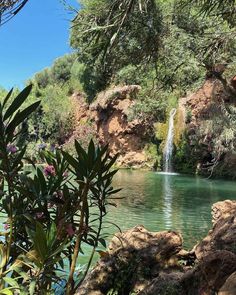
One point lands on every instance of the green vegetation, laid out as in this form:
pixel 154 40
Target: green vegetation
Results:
pixel 166 47
pixel 176 48
pixel 50 212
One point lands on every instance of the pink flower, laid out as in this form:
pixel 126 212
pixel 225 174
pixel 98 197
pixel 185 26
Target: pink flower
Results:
pixel 65 174
pixel 6 226
pixel 50 205
pixel 11 148
pixel 39 215
pixel 58 195
pixel 49 170
pixel 70 230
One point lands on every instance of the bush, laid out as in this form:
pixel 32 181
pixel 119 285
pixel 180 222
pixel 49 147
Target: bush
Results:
pixel 52 211
pixel 129 75
pixel 61 69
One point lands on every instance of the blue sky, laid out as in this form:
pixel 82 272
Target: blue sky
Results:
pixel 33 39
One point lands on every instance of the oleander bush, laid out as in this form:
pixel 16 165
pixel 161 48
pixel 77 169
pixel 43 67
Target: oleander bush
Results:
pixel 50 211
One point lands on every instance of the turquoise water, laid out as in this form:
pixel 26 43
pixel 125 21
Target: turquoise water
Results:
pixel 164 202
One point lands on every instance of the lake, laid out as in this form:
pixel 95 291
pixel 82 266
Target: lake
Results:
pixel 163 202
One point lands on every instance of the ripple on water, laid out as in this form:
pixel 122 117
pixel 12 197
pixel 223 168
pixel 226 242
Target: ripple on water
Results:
pixel 161 201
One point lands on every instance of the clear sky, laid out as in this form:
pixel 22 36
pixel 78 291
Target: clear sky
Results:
pixel 33 39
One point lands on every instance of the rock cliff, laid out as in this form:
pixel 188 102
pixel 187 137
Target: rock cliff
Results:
pixel 208 144
pixel 107 120
pixel 205 132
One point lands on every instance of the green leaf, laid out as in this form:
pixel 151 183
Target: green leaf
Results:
pixel 51 235
pixel 7 98
pixel 18 101
pixel 91 154
pixel 71 161
pixel 103 242
pixel 32 287
pixel 42 181
pixel 60 249
pixel 80 151
pixel 112 192
pixel 21 116
pixel 11 282
pixel 40 242
pixel 113 160
pixel 6 291
pixel 109 175
pixel 3 255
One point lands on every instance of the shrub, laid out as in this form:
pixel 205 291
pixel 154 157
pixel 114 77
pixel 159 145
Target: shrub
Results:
pixel 52 211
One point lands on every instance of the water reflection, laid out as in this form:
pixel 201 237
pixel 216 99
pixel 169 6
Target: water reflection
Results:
pixel 163 202
pixel 167 197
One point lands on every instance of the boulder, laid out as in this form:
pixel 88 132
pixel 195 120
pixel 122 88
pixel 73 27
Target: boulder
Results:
pixel 223 209
pixel 207 277
pixel 151 263
pixel 151 246
pixel 229 287
pixel 134 256
pixel 166 284
pixel 223 234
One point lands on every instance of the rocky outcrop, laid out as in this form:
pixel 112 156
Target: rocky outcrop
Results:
pixel 229 287
pixel 208 143
pixel 223 234
pixel 107 119
pixel 151 263
pixel 133 259
pixel 223 210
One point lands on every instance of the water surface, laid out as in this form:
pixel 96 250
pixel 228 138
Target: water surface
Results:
pixel 164 202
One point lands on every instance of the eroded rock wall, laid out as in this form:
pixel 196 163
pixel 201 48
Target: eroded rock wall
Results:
pixel 208 145
pixel 108 118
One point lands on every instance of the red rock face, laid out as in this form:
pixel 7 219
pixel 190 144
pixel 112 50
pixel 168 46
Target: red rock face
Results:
pixel 233 82
pixel 212 114
pixel 109 117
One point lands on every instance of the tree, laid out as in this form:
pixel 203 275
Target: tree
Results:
pixel 9 8
pixel 216 23
pixel 226 9
pixel 113 34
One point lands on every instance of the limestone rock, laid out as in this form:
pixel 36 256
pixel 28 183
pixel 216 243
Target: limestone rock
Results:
pixel 148 263
pixel 229 287
pixel 210 274
pixel 151 246
pixel 166 284
pixel 223 234
pixel 131 255
pixel 223 209
pixel 109 123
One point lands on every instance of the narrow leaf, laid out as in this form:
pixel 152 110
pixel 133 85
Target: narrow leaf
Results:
pixel 18 101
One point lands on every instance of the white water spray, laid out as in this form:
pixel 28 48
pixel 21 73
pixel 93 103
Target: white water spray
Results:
pixel 168 150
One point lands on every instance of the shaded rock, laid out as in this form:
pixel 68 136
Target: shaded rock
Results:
pixel 229 287
pixel 100 279
pixel 210 153
pixel 210 274
pixel 148 263
pixel 151 246
pixel 136 255
pixel 223 234
pixel 165 284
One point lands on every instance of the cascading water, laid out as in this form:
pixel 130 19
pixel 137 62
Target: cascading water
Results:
pixel 168 150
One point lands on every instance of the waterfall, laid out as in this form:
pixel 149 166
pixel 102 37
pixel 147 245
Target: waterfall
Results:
pixel 168 150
